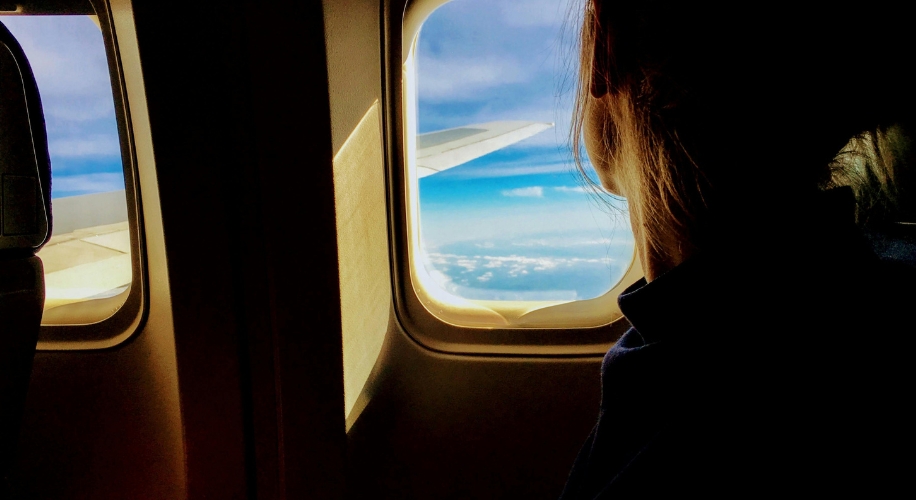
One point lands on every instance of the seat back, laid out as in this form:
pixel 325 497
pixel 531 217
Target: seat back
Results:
pixel 25 225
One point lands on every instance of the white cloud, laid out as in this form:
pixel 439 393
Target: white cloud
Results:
pixel 462 78
pixel 602 241
pixel 468 264
pixel 516 270
pixel 519 264
pixel 67 54
pixel 439 258
pixel 532 243
pixel 69 109
pixel 561 242
pixel 528 192
pixel 514 262
pixel 549 13
pixel 573 189
pixel 497 277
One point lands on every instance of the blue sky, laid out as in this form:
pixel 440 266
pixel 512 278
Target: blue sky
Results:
pixel 68 59
pixel 516 224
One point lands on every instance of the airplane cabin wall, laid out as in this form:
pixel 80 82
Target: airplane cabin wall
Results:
pixel 360 191
pixel 429 424
pixel 107 423
pixel 240 393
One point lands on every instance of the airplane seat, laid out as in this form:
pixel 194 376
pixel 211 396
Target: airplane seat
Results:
pixel 25 226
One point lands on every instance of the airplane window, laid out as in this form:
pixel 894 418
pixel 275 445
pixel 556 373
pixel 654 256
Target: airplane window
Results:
pixel 503 215
pixel 88 257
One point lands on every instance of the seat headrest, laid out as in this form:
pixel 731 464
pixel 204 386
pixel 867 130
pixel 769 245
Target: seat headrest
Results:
pixel 25 167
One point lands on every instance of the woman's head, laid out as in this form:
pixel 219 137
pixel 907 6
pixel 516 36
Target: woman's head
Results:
pixel 704 117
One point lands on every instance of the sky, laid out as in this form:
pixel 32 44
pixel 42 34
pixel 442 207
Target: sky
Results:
pixel 67 55
pixel 516 224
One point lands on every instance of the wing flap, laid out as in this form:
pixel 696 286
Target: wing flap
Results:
pixel 444 149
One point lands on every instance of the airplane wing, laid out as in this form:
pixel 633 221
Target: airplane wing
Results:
pixel 444 149
pixel 88 257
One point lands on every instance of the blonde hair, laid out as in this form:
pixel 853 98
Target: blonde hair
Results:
pixel 879 167
pixel 663 185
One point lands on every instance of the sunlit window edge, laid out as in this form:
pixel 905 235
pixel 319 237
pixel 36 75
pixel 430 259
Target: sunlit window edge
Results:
pixel 462 312
pixel 85 312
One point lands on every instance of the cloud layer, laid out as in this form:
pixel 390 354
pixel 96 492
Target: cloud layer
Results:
pixel 549 267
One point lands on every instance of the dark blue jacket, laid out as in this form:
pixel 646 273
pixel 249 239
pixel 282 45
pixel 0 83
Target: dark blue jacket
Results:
pixel 779 363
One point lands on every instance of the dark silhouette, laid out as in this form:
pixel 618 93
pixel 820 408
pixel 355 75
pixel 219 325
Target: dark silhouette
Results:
pixel 770 348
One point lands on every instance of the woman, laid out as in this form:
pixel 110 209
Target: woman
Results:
pixel 770 347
